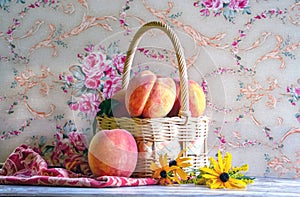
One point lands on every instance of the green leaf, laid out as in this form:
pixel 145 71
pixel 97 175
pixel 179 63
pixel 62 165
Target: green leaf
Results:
pixel 243 177
pixel 106 107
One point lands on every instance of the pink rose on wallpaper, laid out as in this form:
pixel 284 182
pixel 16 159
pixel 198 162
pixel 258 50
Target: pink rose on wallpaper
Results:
pixel 110 72
pixel 112 86
pixel 74 106
pixel 78 140
pixel 212 4
pixel 227 8
pixel 93 64
pixel 118 61
pixel 92 82
pixel 238 4
pixel 89 104
pixel 97 77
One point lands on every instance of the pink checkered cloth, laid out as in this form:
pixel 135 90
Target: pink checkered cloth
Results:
pixel 27 167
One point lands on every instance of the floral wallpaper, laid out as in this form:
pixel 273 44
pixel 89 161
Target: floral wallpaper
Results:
pixel 59 59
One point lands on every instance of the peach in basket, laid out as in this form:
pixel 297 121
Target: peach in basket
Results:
pixel 197 99
pixel 150 96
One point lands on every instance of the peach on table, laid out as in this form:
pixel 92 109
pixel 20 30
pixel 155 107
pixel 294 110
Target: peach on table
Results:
pixel 113 153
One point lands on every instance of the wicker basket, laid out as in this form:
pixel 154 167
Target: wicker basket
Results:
pixel 156 136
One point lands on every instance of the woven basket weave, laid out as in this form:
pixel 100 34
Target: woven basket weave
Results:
pixel 156 136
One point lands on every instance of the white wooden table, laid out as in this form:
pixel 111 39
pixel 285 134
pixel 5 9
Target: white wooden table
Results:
pixel 261 187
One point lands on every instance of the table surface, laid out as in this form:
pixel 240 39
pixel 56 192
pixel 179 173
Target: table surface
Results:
pixel 261 187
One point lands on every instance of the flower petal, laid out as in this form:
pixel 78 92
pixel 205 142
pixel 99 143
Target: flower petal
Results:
pixel 184 159
pixel 216 185
pixel 227 161
pixel 165 160
pixel 154 166
pixel 220 160
pixel 237 183
pixel 182 174
pixel 181 153
pixel 229 185
pixel 156 174
pixel 176 179
pixel 210 176
pixel 210 171
pixel 169 180
pixel 184 165
pixel 160 159
pixel 215 165
pixel 172 168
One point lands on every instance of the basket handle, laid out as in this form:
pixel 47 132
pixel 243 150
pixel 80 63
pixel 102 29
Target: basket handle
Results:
pixel 184 111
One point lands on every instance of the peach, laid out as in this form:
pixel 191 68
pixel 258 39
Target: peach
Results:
pixel 150 96
pixel 197 100
pixel 176 106
pixel 138 91
pixel 113 153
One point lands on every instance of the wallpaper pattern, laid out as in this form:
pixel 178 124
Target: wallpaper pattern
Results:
pixel 58 59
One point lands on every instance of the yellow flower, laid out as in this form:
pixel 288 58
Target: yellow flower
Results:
pixel 180 162
pixel 218 176
pixel 240 168
pixel 162 172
